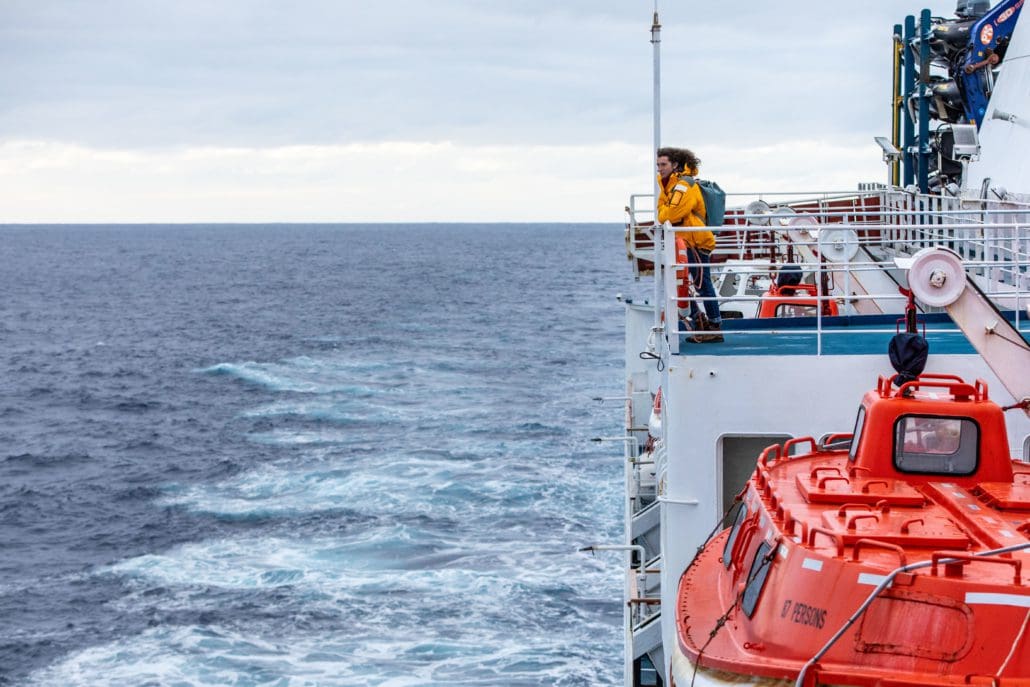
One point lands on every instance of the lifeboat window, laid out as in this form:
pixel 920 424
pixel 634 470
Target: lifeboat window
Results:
pixel 796 310
pixel 756 579
pixel 936 445
pixel 727 552
pixel 857 434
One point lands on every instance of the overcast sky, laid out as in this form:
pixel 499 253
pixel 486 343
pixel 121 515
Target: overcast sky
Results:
pixel 450 110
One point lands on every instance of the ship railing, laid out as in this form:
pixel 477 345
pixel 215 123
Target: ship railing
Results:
pixel 742 224
pixel 994 251
pixel 903 221
pixel 640 233
pixel 645 609
pixel 997 254
pixel 645 599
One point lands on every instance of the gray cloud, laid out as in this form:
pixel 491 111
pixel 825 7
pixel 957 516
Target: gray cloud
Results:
pixel 246 73
pixel 157 74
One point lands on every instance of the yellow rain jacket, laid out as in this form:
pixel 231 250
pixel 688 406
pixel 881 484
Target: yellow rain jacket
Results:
pixel 680 203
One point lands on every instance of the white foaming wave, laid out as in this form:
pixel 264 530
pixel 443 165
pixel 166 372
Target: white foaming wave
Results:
pixel 287 437
pixel 512 613
pixel 332 411
pixel 330 414
pixel 181 655
pixel 351 411
pixel 239 564
pixel 381 559
pixel 336 411
pixel 383 485
pixel 277 489
pixel 305 375
pixel 394 657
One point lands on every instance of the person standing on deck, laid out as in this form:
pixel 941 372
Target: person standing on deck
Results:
pixel 680 203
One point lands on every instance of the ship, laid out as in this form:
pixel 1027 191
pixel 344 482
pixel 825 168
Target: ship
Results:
pixel 839 492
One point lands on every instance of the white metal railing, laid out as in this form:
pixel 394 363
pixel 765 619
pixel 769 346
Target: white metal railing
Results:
pixel 871 229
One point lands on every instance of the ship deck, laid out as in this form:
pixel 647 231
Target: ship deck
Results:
pixel 850 335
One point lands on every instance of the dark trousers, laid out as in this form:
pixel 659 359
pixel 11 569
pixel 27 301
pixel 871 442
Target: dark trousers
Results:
pixel 702 278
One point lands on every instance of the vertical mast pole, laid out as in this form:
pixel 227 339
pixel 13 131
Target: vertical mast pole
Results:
pixel 659 260
pixel 656 41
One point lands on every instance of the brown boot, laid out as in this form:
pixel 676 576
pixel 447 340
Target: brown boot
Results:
pixel 713 333
pixel 697 326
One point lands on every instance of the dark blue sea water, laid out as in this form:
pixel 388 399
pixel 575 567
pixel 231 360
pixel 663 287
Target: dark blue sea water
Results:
pixel 309 455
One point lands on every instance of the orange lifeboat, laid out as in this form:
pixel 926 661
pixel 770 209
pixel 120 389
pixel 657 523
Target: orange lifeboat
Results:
pixel 893 556
pixel 797 300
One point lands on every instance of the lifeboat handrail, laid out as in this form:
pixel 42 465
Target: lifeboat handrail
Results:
pixel 834 536
pixel 956 389
pixel 876 543
pixel 813 475
pixel 830 440
pixel 797 441
pixel 884 584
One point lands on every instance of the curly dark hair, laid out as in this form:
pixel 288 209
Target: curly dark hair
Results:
pixel 683 159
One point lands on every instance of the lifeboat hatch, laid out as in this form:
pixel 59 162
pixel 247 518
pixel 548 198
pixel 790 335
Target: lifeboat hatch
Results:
pixel 904 623
pixel 932 528
pixel 839 489
pixel 1006 496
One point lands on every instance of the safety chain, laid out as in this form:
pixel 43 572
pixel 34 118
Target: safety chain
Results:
pixel 720 525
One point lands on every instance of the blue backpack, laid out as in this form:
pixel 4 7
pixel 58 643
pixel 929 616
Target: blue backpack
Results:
pixel 714 198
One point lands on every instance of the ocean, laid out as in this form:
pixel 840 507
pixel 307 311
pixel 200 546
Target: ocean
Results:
pixel 310 454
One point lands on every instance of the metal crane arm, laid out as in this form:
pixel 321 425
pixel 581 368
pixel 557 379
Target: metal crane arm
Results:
pixel 937 278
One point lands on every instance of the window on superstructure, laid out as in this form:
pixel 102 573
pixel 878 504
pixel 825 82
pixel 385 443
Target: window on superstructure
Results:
pixel 756 579
pixel 729 284
pixel 755 287
pixel 857 434
pixel 936 445
pixel 727 552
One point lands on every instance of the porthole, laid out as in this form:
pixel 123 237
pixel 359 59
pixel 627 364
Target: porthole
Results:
pixel 856 435
pixel 727 552
pixel 756 579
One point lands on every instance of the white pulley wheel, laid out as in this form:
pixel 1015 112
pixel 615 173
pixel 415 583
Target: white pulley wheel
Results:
pixel 759 208
pixel 936 276
pixel 802 228
pixel 839 245
pixel 782 215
